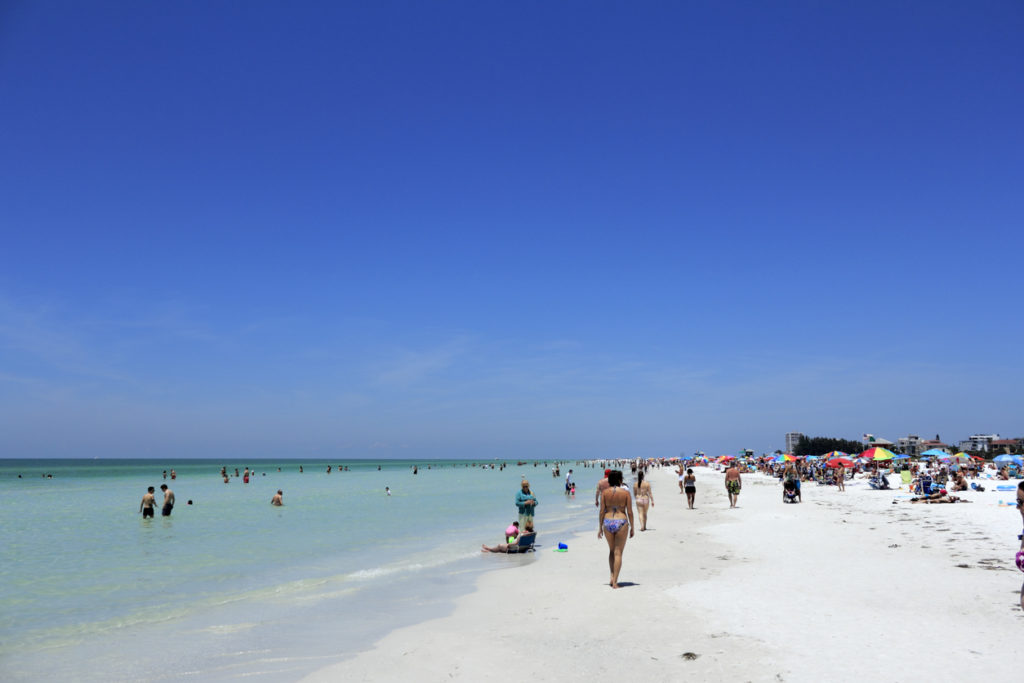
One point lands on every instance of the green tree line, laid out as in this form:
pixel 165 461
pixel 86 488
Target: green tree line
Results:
pixel 820 445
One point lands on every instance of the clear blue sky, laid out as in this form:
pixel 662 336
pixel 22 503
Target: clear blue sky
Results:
pixel 495 229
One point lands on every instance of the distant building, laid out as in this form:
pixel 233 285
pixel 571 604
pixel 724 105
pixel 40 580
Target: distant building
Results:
pixel 929 444
pixel 871 441
pixel 792 439
pixel 1006 445
pixel 979 442
pixel 910 445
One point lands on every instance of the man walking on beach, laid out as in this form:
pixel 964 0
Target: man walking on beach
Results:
pixel 733 484
pixel 148 502
pixel 526 502
pixel 168 500
pixel 601 486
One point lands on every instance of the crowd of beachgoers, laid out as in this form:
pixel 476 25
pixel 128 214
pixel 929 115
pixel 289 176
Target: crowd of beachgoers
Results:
pixel 928 480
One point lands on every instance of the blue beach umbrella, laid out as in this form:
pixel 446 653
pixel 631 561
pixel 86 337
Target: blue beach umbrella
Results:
pixel 934 453
pixel 1006 459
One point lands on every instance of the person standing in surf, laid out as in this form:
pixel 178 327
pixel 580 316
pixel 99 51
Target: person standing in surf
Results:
pixel 168 501
pixel 526 502
pixel 148 503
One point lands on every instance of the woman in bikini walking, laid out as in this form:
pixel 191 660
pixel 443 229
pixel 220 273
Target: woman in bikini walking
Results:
pixel 644 498
pixel 616 511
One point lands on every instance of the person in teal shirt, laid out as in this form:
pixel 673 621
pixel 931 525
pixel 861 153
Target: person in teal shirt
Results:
pixel 526 502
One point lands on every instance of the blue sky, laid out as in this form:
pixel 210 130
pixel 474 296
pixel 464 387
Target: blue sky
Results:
pixel 569 229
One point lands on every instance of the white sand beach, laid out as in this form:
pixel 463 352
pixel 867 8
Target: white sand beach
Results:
pixel 843 587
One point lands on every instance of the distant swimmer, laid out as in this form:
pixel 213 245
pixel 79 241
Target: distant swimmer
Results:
pixel 148 503
pixel 276 500
pixel 174 475
pixel 387 490
pixel 168 500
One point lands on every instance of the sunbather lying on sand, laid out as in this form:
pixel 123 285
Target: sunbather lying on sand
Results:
pixel 938 498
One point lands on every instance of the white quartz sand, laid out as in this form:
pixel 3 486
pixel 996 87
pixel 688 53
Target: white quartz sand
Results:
pixel 843 587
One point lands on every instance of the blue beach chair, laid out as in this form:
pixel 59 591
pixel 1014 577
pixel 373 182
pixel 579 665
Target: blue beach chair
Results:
pixel 524 544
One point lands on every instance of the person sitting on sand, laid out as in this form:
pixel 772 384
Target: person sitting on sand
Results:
pixel 513 540
pixel 959 483
pixel 1004 474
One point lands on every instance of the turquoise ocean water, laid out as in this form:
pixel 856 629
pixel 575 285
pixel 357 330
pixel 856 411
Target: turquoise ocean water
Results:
pixel 231 587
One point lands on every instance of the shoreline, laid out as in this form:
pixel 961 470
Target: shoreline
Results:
pixel 833 588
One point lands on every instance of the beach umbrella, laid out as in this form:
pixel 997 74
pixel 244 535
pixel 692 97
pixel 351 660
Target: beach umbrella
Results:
pixel 901 456
pixel 934 453
pixel 1006 459
pixel 813 457
pixel 786 457
pixel 840 462
pixel 959 457
pixel 833 454
pixel 878 453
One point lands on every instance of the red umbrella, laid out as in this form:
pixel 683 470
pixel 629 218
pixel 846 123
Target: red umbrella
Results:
pixel 840 462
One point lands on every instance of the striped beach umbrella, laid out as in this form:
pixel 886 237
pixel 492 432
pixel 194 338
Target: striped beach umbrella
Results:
pixel 878 453
pixel 833 454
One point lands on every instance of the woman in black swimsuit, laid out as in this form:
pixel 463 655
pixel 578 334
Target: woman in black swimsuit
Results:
pixel 690 486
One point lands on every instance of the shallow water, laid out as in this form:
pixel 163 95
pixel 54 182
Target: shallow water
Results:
pixel 231 586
